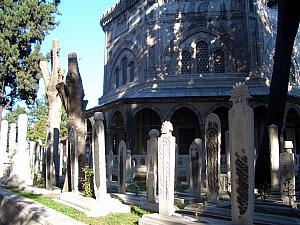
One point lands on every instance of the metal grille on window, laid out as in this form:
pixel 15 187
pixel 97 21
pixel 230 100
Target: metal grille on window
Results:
pixel 117 74
pixel 219 64
pixel 124 71
pixel 202 57
pixel 186 62
pixel 131 71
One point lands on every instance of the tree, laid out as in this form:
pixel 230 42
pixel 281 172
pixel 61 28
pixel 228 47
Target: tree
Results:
pixel 287 27
pixel 24 25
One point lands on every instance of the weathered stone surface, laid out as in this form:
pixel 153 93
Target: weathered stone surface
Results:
pixel 122 167
pixel 166 169
pixel 99 157
pixel 274 155
pixel 287 174
pixel 12 138
pixel 241 139
pixel 3 147
pixel 196 154
pixel 151 178
pixel 213 156
pixel 73 173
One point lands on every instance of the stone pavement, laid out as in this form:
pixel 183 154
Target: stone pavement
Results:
pixel 18 210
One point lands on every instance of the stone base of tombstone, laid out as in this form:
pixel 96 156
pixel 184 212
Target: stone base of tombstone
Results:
pixel 158 219
pixel 20 172
pixel 92 207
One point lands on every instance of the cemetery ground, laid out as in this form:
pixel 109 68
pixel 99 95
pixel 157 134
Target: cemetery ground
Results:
pixel 268 210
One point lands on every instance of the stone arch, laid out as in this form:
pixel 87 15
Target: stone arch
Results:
pixel 117 130
pixel 291 130
pixel 188 106
pixel 202 32
pixel 149 106
pixel 222 113
pixel 185 128
pixel 143 121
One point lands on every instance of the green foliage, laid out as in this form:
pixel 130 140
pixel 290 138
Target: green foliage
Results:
pixel 24 25
pixel 87 181
pixel 180 204
pixel 264 191
pixel 37 120
pixel 136 209
pixel 113 219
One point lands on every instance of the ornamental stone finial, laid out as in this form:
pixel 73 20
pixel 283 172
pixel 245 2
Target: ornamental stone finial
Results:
pixel 167 128
pixel 240 93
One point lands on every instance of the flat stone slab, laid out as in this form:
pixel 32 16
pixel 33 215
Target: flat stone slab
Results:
pixel 18 210
pixel 176 219
pixel 92 207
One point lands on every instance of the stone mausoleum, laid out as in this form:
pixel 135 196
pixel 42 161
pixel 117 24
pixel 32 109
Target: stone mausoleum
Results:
pixel 178 60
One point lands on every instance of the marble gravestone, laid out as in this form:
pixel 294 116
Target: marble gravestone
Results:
pixel 166 169
pixel 213 157
pixel 241 143
pixel 12 139
pixel 196 155
pixel 274 155
pixel 73 172
pixel 110 165
pixel 3 147
pixel 20 167
pixel 122 167
pixel 151 178
pixel 287 174
pixel 128 166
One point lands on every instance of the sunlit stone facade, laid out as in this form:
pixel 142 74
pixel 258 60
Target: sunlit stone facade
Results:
pixel 178 60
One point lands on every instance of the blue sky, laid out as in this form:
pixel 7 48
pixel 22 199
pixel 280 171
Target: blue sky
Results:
pixel 80 31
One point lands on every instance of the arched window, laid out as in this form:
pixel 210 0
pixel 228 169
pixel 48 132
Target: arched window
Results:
pixel 219 64
pixel 131 71
pixel 117 75
pixel 124 71
pixel 202 57
pixel 186 64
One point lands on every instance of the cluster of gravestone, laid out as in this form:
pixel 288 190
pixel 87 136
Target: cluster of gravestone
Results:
pixel 27 161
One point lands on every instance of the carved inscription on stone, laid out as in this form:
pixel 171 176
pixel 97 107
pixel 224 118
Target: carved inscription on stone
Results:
pixel 212 157
pixel 242 174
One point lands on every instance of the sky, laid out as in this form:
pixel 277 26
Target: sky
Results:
pixel 80 31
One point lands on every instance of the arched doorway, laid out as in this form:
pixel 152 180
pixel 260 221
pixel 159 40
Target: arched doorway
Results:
pixel 222 113
pixel 117 131
pixel 292 129
pixel 145 120
pixel 185 129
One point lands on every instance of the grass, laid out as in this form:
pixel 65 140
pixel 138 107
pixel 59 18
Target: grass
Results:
pixel 113 219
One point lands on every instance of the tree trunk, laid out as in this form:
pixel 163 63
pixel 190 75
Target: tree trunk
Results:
pixel 54 116
pixel 287 26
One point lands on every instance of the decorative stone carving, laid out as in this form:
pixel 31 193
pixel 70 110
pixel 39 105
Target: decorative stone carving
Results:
pixel 241 144
pixel 213 157
pixel 151 178
pixel 196 155
pixel 166 169
pixel 287 174
pixel 122 167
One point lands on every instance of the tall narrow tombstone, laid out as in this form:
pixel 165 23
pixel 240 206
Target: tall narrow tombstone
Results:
pixel 287 174
pixel 176 163
pixel 241 143
pixel 3 147
pixel 213 157
pixel 274 155
pixel 151 178
pixel 20 168
pixel 110 165
pixel 31 156
pixel 166 169
pixel 195 167
pixel 128 166
pixel 73 157
pixel 122 167
pixel 12 139
pixel 37 159
pixel 49 162
pixel 99 157
pixel 55 171
pixel 227 151
pixel 61 159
